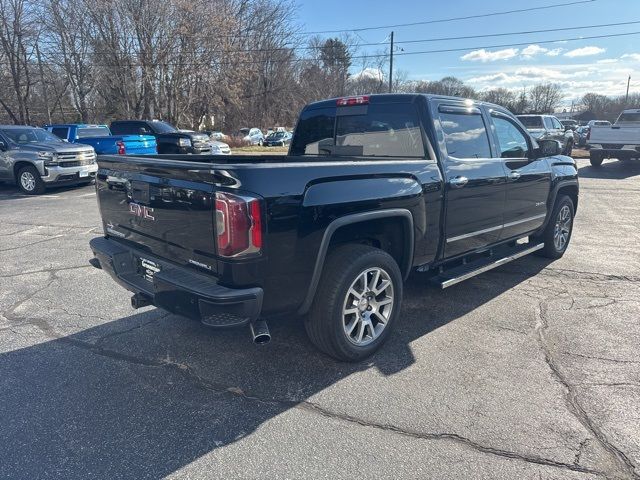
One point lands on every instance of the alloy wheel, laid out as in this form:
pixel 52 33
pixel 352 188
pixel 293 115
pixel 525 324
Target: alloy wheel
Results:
pixel 368 306
pixel 562 228
pixel 28 181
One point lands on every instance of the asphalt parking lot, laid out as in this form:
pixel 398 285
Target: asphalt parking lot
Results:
pixel 529 371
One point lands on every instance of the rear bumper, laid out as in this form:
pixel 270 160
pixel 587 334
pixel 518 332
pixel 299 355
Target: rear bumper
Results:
pixel 627 150
pixel 178 289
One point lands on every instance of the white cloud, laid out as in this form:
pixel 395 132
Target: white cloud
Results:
pixel 608 60
pixel 368 73
pixel 533 50
pixel 483 55
pixel 555 52
pixel 632 56
pixel 584 52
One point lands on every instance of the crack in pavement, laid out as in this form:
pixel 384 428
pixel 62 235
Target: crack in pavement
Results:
pixel 24 245
pixel 573 404
pixel 191 376
pixel 47 270
pixel 604 359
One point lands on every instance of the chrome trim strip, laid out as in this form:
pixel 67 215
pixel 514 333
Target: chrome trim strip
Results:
pixel 497 227
pixel 497 263
pixel 473 234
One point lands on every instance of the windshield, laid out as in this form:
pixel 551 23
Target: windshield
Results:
pixel 277 135
pixel 87 132
pixel 24 135
pixel 531 122
pixel 163 127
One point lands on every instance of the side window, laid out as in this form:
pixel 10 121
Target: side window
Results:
pixel 465 135
pixel 511 141
pixel 60 132
pixel 556 123
pixel 548 123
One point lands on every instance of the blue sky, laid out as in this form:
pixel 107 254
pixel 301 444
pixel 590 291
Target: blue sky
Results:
pixel 600 65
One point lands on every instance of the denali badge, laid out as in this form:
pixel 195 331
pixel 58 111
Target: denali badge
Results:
pixel 141 211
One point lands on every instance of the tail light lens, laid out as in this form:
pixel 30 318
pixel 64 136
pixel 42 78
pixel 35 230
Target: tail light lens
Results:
pixel 121 149
pixel 238 225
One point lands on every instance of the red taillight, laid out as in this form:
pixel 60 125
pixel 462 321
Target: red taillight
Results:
pixel 349 101
pixel 121 149
pixel 238 225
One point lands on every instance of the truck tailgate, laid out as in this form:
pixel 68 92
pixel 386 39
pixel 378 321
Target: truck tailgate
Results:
pixel 622 135
pixel 167 211
pixel 139 144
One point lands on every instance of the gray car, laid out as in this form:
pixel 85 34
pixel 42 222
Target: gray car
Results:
pixel 34 159
pixel 548 127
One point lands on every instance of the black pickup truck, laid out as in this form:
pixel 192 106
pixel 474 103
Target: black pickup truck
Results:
pixel 169 139
pixel 373 188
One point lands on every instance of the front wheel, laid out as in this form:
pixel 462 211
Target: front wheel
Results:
pixel 569 148
pixel 29 181
pixel 357 302
pixel 557 233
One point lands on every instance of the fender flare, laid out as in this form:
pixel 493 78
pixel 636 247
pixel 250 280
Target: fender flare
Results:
pixel 351 219
pixel 552 198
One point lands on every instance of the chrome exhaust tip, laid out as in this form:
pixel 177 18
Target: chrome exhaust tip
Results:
pixel 260 332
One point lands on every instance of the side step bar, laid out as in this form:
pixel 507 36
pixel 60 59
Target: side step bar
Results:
pixel 463 272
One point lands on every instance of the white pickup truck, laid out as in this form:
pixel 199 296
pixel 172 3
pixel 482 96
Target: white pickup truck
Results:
pixel 620 140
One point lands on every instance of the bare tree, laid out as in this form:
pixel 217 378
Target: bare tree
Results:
pixel 544 98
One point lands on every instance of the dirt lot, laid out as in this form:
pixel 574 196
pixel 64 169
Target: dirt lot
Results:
pixel 526 372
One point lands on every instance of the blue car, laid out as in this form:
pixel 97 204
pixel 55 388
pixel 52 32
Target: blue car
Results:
pixel 103 142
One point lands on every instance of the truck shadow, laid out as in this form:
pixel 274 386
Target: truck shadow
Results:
pixel 611 170
pixel 157 392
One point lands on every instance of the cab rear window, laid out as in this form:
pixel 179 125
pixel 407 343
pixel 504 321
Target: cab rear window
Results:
pixel 376 130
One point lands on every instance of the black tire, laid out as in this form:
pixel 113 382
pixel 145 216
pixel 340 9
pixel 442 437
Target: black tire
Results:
pixel 29 181
pixel 595 158
pixel 569 148
pixel 551 247
pixel 344 268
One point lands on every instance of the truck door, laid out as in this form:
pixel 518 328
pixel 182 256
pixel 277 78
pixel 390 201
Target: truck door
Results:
pixel 528 177
pixel 475 185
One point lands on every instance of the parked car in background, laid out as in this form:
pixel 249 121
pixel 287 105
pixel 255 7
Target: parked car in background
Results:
pixel 217 148
pixel 598 123
pixel 218 136
pixel 252 136
pixel 363 199
pixel 102 141
pixel 582 133
pixel 548 127
pixel 278 139
pixel 572 124
pixel 35 159
pixel 620 140
pixel 168 138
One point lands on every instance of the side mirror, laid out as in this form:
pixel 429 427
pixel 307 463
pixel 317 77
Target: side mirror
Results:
pixel 567 128
pixel 3 146
pixel 549 148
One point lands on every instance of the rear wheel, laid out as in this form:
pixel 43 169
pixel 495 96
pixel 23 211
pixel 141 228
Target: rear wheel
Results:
pixel 357 302
pixel 29 181
pixel 557 233
pixel 595 158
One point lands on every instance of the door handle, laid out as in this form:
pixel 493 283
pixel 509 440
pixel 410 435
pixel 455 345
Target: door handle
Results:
pixel 514 175
pixel 458 182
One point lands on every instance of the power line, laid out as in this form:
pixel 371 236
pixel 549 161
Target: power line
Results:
pixel 453 19
pixel 424 40
pixel 368 56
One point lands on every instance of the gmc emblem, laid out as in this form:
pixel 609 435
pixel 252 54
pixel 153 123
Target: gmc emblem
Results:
pixel 141 211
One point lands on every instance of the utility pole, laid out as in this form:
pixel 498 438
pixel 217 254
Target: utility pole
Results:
pixel 626 99
pixel 391 66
